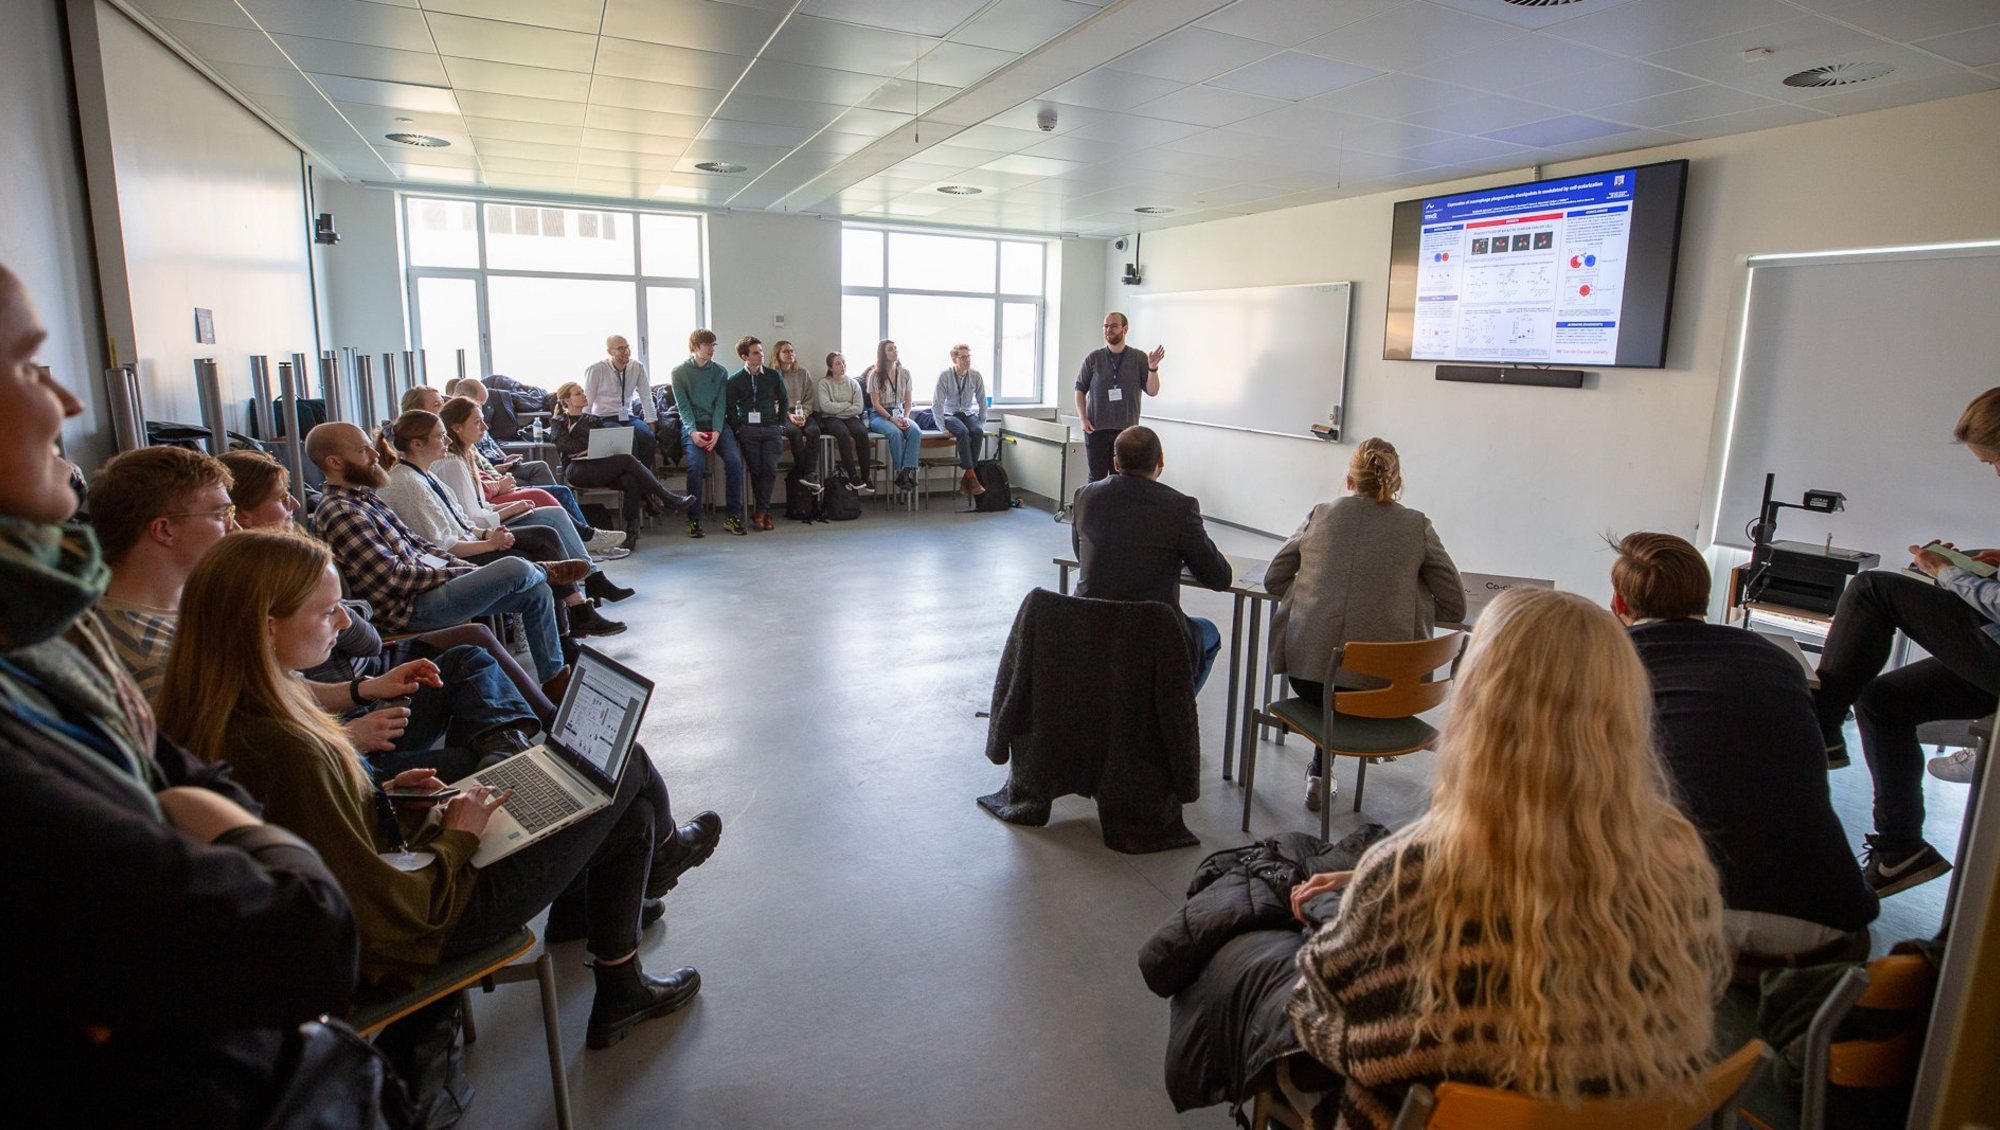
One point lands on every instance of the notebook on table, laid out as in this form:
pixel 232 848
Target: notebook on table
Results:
pixel 576 769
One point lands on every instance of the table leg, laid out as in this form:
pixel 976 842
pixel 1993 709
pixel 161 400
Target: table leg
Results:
pixel 1249 689
pixel 1062 585
pixel 1235 682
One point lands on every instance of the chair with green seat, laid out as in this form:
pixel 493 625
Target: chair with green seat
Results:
pixel 498 964
pixel 1363 724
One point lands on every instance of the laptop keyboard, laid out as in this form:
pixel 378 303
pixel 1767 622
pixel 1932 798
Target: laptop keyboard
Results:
pixel 538 801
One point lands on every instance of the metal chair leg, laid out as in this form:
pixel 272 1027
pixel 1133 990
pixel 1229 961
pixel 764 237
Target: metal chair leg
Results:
pixel 1360 782
pixel 465 1012
pixel 1246 765
pixel 545 977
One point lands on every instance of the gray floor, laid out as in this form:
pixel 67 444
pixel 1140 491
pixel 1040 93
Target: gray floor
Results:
pixel 875 950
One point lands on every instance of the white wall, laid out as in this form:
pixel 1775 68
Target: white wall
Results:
pixel 47 239
pixel 761 265
pixel 1079 313
pixel 1523 480
pixel 210 212
pixel 364 298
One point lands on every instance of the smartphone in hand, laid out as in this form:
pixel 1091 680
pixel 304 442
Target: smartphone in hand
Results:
pixel 419 796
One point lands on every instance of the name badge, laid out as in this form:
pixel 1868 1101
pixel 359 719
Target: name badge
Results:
pixel 409 860
pixel 622 417
pixel 755 417
pixel 433 560
pixel 899 413
pixel 1116 394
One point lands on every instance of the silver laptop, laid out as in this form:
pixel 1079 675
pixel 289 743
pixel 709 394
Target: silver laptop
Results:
pixel 576 769
pixel 609 439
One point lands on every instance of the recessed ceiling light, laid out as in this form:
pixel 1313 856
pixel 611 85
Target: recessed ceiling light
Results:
pixel 421 140
pixel 1152 210
pixel 959 190
pixel 1838 74
pixel 718 167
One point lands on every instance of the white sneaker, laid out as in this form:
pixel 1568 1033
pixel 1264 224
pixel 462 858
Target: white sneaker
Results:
pixel 609 554
pixel 1953 767
pixel 605 539
pixel 1312 791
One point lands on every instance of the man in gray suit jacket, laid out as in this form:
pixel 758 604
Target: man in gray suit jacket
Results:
pixel 1133 533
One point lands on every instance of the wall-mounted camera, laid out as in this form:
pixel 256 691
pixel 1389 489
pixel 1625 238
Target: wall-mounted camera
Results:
pixel 1120 244
pixel 1825 501
pixel 323 229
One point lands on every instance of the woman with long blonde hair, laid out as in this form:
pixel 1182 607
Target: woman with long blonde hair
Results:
pixel 1552 925
pixel 262 605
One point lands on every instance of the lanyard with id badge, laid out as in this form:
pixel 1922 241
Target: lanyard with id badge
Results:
pixel 401 858
pixel 753 416
pixel 1117 391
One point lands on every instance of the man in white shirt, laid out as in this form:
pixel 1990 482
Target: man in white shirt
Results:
pixel 612 385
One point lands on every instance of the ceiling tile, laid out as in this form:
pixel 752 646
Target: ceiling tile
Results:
pixel 1465 150
pixel 1108 89
pixel 507 78
pixel 756 133
pixel 1622 80
pixel 216 44
pixel 629 120
pixel 1394 96
pixel 1032 166
pixel 1645 26
pixel 1305 119
pixel 358 60
pixel 900 95
pixel 924 17
pixel 521 44
pixel 1909 65
pixel 563 15
pixel 779 79
pixel 396 95
pixel 962 64
pixel 1531 17
pixel 1768 117
pixel 1707 101
pixel 420 175
pixel 1905 20
pixel 1028 115
pixel 1142 131
pixel 838 142
pixel 1863 98
pixel 656 97
pixel 1376 135
pixel 1000 139
pixel 728 29
pixel 510 129
pixel 1977 48
pixel 1408 34
pixel 1499 70
pixel 1206 106
pixel 222 13
pixel 356 21
pixel 1286 22
pixel 1023 25
pixel 1806 41
pixel 845 47
pixel 595 162
pixel 633 59
pixel 741 107
pixel 525 150
pixel 1558 131
pixel 512 107
pixel 1482 114
pixel 1083 149
pixel 1191 55
pixel 874 123
pixel 1293 76
pixel 621 141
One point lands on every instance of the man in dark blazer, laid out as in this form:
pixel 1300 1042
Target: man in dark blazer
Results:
pixel 1132 535
pixel 1735 725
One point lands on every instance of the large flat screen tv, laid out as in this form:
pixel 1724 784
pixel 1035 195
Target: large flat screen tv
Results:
pixel 1576 272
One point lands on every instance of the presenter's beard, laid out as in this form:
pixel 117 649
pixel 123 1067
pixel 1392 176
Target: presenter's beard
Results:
pixel 1115 339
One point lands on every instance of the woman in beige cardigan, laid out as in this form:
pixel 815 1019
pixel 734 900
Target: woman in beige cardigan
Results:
pixel 1360 568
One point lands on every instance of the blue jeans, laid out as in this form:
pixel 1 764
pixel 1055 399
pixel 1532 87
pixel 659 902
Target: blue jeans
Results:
pixel 964 428
pixel 476 697
pixel 567 497
pixel 511 584
pixel 697 470
pixel 555 521
pixel 904 443
pixel 1211 645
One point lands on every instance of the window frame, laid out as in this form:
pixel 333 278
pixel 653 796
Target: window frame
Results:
pixel 479 274
pixel 1000 299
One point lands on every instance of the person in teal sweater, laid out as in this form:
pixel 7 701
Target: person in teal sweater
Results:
pixel 701 389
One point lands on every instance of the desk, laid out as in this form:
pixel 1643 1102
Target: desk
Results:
pixel 1246 587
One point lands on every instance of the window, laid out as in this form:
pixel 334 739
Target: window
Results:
pixel 533 291
pixel 930 291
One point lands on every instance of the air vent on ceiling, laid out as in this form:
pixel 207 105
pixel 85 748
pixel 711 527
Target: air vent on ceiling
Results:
pixel 718 167
pixel 1838 74
pixel 1152 210
pixel 421 140
pixel 1539 3
pixel 959 190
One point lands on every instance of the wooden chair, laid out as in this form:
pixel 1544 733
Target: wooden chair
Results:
pixel 1462 1106
pixel 1364 724
pixel 498 964
pixel 1900 983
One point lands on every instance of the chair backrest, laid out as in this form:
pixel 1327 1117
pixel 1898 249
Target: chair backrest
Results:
pixel 1405 665
pixel 1898 982
pixel 1462 1106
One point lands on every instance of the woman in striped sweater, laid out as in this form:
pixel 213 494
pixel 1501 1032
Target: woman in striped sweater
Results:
pixel 1552 925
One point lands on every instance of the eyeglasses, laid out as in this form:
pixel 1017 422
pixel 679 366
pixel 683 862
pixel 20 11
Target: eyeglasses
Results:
pixel 1114 325
pixel 226 513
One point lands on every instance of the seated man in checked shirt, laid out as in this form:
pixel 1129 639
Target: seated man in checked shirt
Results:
pixel 412 584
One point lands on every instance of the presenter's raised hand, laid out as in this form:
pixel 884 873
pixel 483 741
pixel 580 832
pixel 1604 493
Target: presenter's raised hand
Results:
pixel 1154 358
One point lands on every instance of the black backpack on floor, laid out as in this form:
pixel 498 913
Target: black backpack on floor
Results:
pixel 999 492
pixel 839 503
pixel 801 504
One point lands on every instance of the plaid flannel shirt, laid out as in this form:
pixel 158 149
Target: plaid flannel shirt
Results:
pixel 380 557
pixel 488 452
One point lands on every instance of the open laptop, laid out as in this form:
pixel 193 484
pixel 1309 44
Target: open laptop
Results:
pixel 609 439
pixel 576 769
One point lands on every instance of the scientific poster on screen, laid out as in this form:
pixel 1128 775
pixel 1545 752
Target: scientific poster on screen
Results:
pixel 1532 274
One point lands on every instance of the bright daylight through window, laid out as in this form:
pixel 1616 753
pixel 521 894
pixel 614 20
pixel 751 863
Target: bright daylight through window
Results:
pixel 928 292
pixel 533 291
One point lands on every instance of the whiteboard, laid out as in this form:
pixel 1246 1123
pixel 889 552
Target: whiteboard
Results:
pixel 1261 358
pixel 1854 368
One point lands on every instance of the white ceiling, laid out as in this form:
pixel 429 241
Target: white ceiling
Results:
pixel 863 108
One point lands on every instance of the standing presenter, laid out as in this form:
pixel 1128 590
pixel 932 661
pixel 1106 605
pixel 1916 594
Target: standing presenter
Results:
pixel 1107 391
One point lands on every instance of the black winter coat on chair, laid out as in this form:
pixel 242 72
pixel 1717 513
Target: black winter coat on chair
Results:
pixel 1096 698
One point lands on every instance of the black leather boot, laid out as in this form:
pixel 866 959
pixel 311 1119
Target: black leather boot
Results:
pixel 676 855
pixel 627 996
pixel 502 742
pixel 587 621
pixel 597 586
